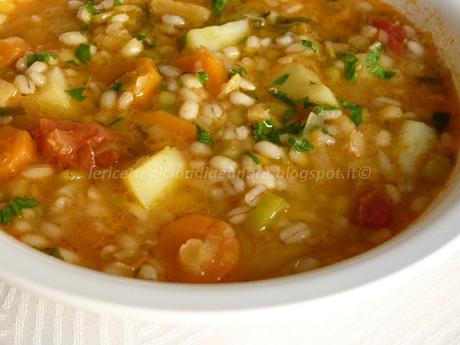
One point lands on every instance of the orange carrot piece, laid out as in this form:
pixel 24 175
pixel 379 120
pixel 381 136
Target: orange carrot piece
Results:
pixel 143 82
pixel 17 151
pixel 11 50
pixel 196 248
pixel 174 129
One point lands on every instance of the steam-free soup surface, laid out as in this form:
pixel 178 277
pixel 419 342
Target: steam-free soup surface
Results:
pixel 205 142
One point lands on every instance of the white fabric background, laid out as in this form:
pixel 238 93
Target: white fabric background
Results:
pixel 420 306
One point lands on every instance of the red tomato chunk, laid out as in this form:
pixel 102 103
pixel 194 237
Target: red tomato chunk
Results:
pixel 77 145
pixel 375 210
pixel 396 34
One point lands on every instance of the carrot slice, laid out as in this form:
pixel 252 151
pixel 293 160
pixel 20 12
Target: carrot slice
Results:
pixel 205 61
pixel 173 129
pixel 143 82
pixel 196 248
pixel 17 151
pixel 11 50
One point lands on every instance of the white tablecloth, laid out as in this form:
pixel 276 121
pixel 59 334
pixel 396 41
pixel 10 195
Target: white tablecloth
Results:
pixel 422 309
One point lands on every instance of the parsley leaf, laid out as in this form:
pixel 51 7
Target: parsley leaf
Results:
pixel 283 97
pixel 288 115
pixel 204 136
pixel 203 77
pixel 313 46
pixel 43 57
pixel 14 208
pixel 90 7
pixel 253 156
pixel 218 6
pixel 83 53
pixel 118 86
pixel 356 112
pixel 147 40
pixel 118 3
pixel 373 63
pixel 320 108
pixel 266 130
pixel 300 145
pixel 351 62
pixel 77 94
pixel 237 69
pixel 281 80
pixel 292 128
pixel 115 122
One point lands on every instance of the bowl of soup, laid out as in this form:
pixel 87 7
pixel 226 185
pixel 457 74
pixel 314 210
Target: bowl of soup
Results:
pixel 204 156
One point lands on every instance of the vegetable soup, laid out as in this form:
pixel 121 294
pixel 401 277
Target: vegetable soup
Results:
pixel 214 141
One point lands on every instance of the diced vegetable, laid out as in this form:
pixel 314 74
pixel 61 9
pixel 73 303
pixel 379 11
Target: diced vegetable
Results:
pixel 415 139
pixel 373 62
pixel 350 62
pixel 152 178
pixel 437 169
pixel 172 129
pixel 396 34
pixel 193 14
pixel 305 83
pixel 269 208
pixel 197 248
pixel 83 53
pixel 11 50
pixel 218 6
pixel 217 37
pixel 17 151
pixel 375 210
pixel 204 136
pixel 77 94
pixel 165 101
pixel 7 90
pixel 13 209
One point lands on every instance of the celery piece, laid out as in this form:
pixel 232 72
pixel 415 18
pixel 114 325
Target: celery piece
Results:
pixel 165 101
pixel 269 208
pixel 437 169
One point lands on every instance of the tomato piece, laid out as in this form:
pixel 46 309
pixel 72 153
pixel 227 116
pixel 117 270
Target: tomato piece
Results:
pixel 196 248
pixel 77 145
pixel 396 34
pixel 375 210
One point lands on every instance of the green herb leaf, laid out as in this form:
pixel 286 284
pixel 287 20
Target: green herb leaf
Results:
pixel 83 53
pixel 115 122
pixel 300 145
pixel 237 69
pixel 90 7
pixel 43 57
pixel 292 128
pixel 203 77
pixel 266 130
pixel 373 63
pixel 14 208
pixel 118 3
pixel 149 41
pixel 356 112
pixel 253 156
pixel 313 46
pixel 351 62
pixel 77 94
pixel 288 115
pixel 281 80
pixel 218 6
pixel 320 108
pixel 204 136
pixel 118 86
pixel 283 97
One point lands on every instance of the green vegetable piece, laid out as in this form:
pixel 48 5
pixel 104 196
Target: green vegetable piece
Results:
pixel 43 57
pixel 281 80
pixel 77 94
pixel 165 101
pixel 253 156
pixel 351 62
pixel 118 86
pixel 267 211
pixel 14 208
pixel 320 108
pixel 204 136
pixel 441 120
pixel 356 112
pixel 115 121
pixel 203 77
pixel 237 69
pixel 282 96
pixel 218 6
pixel 90 7
pixel 300 145
pixel 288 115
pixel 83 53
pixel 313 46
pixel 266 130
pixel 373 63
pixel 437 169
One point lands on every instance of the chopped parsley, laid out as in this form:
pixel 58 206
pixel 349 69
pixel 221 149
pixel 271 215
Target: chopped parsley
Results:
pixel 77 94
pixel 253 156
pixel 118 86
pixel 373 63
pixel 350 62
pixel 13 209
pixel 204 136
pixel 292 128
pixel 320 108
pixel 90 7
pixel 282 96
pixel 300 145
pixel 117 2
pixel 149 41
pixel 83 53
pixel 115 122
pixel 218 6
pixel 356 112
pixel 43 57
pixel 288 115
pixel 237 69
pixel 203 78
pixel 281 80
pixel 313 46
pixel 266 130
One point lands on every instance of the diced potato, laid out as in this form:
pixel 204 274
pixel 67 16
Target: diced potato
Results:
pixel 304 82
pixel 415 140
pixel 152 178
pixel 193 14
pixel 217 37
pixel 7 90
pixel 52 100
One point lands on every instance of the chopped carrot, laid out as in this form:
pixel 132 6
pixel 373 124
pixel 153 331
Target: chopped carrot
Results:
pixel 173 129
pixel 17 151
pixel 109 72
pixel 143 82
pixel 196 248
pixel 11 50
pixel 205 61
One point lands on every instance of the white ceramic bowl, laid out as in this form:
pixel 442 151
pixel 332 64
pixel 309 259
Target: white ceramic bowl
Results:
pixel 128 297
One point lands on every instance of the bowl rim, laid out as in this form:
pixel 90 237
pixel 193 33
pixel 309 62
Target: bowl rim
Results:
pixel 95 290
